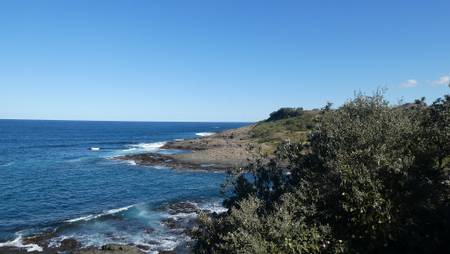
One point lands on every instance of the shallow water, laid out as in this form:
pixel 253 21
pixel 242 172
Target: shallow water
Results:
pixel 57 175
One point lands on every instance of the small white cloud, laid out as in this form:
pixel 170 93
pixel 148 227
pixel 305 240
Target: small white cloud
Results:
pixel 410 83
pixel 444 80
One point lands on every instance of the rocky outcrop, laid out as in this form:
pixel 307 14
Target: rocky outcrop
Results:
pixel 221 151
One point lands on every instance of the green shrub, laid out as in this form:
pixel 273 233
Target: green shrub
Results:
pixel 371 179
pixel 284 113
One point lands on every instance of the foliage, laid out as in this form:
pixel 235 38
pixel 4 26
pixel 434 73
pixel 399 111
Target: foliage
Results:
pixel 270 134
pixel 284 113
pixel 372 178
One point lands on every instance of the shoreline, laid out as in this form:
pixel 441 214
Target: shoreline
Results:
pixel 208 152
pixel 219 151
pixel 180 219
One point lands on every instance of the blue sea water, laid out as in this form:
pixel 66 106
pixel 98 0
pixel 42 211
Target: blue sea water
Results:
pixel 51 180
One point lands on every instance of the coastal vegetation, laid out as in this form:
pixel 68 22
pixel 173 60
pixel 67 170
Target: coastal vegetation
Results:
pixel 366 177
pixel 284 113
pixel 285 124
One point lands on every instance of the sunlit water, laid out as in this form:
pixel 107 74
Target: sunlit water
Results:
pixel 57 176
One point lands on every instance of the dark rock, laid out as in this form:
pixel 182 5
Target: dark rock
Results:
pixel 169 161
pixel 41 239
pixel 149 230
pixel 111 249
pixel 182 207
pixel 152 242
pixel 170 223
pixel 143 247
pixel 118 248
pixel 69 244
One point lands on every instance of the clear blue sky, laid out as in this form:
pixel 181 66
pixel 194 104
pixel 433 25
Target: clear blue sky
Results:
pixel 214 60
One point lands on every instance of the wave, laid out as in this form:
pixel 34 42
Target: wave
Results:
pixel 144 147
pixel 94 148
pixel 147 243
pixel 210 206
pixel 213 207
pixel 204 134
pixel 18 243
pixel 92 233
pixel 131 162
pixel 166 243
pixel 7 164
pixel 95 216
pixel 149 146
pixel 148 235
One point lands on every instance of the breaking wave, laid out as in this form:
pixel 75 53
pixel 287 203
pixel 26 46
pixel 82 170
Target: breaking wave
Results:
pixel 95 216
pixel 204 134
pixel 144 147
pixel 18 243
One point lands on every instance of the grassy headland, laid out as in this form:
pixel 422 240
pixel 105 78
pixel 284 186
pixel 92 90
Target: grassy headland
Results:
pixel 233 148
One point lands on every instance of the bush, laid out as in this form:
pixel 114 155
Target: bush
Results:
pixel 284 113
pixel 371 179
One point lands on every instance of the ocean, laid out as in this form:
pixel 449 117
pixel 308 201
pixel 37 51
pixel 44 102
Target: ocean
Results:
pixel 58 177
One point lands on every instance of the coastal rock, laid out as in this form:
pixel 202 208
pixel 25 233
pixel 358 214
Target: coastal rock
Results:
pixel 183 225
pixel 111 249
pixel 69 244
pixel 118 247
pixel 143 247
pixel 13 250
pixel 221 151
pixel 171 223
pixel 182 207
pixel 41 239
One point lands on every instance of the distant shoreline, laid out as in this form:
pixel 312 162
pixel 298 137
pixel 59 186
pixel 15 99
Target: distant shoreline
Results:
pixel 219 151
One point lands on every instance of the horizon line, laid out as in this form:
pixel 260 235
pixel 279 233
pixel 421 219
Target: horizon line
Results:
pixel 131 121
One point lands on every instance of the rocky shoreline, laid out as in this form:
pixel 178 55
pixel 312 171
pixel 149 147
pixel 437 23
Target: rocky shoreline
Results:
pixel 220 151
pixel 182 220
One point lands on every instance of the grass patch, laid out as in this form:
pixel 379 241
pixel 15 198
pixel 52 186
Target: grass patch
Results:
pixel 271 133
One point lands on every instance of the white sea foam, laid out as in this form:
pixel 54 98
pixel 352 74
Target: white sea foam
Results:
pixel 214 207
pixel 94 216
pixel 83 218
pixel 160 167
pixel 168 243
pixel 182 215
pixel 131 162
pixel 144 147
pixel 161 239
pixel 154 242
pixel 204 134
pixel 95 148
pixel 179 139
pixel 149 146
pixel 18 243
pixel 117 210
pixel 163 242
